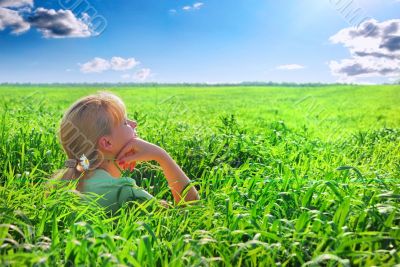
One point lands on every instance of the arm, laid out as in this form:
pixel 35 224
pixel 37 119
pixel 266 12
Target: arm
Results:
pixel 177 179
pixel 138 149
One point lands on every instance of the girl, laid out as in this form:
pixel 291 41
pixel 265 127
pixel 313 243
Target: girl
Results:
pixel 99 140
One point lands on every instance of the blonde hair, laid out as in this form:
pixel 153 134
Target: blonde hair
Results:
pixel 82 125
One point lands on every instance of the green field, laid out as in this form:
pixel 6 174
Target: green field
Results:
pixel 288 176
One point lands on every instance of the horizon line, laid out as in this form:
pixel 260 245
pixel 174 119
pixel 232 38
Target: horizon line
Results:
pixel 189 83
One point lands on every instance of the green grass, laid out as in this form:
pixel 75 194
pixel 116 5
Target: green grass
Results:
pixel 287 176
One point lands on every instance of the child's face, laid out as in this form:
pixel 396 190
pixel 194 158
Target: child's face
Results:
pixel 122 134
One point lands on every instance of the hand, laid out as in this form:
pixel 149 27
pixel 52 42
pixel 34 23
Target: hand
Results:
pixel 132 164
pixel 138 149
pixel 127 165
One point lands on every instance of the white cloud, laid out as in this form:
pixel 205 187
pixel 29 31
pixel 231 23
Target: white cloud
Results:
pixel 119 63
pixel 18 15
pixel 96 65
pixel 198 5
pixel 374 48
pixel 290 67
pixel 356 68
pixel 195 6
pixel 12 19
pixel 16 3
pixel 142 74
pixel 11 15
pixel 59 24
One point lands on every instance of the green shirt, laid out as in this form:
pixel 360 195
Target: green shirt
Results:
pixel 114 191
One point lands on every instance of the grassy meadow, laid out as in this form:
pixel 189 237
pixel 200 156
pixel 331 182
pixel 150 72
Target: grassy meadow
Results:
pixel 288 176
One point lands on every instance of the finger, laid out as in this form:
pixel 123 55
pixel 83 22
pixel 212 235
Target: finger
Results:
pixel 121 164
pixel 132 166
pixel 130 158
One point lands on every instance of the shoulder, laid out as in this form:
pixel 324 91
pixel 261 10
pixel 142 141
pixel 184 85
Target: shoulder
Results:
pixel 101 180
pixel 123 188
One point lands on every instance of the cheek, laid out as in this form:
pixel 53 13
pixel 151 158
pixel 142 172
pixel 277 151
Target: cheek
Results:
pixel 128 133
pixel 121 137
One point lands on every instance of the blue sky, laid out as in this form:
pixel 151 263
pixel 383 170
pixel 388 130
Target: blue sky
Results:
pixel 195 41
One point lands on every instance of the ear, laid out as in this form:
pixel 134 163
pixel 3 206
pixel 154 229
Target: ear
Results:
pixel 105 143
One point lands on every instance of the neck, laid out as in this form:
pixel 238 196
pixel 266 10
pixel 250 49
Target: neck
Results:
pixel 111 168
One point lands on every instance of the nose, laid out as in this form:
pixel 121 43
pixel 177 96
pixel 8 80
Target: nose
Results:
pixel 133 124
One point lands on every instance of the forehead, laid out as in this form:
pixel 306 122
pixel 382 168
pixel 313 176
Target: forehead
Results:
pixel 117 112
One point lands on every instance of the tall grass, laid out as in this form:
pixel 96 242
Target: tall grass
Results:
pixel 283 181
